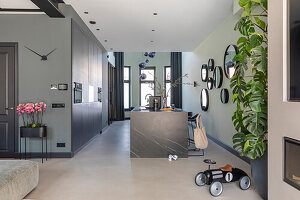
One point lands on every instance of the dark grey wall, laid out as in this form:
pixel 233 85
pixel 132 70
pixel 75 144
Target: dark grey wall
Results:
pixel 43 34
pixel 87 70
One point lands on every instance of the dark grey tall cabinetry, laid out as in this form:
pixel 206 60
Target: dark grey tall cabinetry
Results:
pixel 87 73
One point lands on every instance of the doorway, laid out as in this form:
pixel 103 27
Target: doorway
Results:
pixel 112 89
pixel 8 99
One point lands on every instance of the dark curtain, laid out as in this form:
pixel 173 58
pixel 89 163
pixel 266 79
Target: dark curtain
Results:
pixel 176 72
pixel 119 56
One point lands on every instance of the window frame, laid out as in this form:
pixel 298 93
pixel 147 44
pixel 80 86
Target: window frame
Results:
pixel 141 81
pixel 168 81
pixel 128 81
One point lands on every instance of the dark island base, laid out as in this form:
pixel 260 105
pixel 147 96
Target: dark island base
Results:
pixel 158 134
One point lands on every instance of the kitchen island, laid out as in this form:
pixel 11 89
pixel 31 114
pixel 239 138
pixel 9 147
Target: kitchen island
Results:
pixel 156 134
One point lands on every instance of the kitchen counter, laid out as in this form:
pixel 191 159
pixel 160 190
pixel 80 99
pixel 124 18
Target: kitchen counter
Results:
pixel 156 134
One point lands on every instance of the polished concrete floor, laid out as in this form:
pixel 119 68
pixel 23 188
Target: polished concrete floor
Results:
pixel 103 170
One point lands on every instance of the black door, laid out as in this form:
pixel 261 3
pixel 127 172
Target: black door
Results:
pixel 8 100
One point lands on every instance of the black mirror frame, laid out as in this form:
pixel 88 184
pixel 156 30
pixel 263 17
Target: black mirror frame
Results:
pixel 221 77
pixel 236 52
pixel 226 95
pixel 210 79
pixel 211 68
pixel 204 108
pixel 204 67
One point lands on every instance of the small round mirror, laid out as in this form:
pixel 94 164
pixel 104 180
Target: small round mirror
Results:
pixel 210 83
pixel 224 96
pixel 211 64
pixel 218 77
pixel 229 64
pixel 204 99
pixel 204 73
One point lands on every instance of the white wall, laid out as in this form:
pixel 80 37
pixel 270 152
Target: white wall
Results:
pixel 217 119
pixel 283 116
pixel 160 60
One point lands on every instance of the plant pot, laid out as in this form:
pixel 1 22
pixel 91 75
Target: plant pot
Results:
pixel 259 171
pixel 33 132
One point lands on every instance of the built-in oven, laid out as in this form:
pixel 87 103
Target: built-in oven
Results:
pixel 77 92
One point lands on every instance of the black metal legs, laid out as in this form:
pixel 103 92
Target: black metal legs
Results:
pixel 46 150
pixel 25 151
pixel 42 150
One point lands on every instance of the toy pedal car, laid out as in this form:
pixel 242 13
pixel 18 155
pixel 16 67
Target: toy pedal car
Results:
pixel 215 178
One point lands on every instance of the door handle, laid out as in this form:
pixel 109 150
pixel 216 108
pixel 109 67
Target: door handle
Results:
pixel 9 108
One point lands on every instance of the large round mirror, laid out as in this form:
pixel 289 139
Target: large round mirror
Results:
pixel 204 73
pixel 218 77
pixel 224 96
pixel 229 64
pixel 210 83
pixel 211 64
pixel 204 99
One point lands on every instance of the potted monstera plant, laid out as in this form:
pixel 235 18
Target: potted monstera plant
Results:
pixel 32 116
pixel 250 90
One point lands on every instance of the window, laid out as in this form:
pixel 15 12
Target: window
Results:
pixel 168 84
pixel 126 87
pixel 147 86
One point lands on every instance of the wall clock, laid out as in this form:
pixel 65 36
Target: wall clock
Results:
pixel 43 57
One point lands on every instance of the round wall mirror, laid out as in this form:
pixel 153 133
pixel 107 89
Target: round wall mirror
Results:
pixel 211 64
pixel 204 73
pixel 229 65
pixel 204 99
pixel 224 96
pixel 218 77
pixel 210 83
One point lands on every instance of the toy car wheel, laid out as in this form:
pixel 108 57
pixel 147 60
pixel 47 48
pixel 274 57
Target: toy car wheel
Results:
pixel 216 188
pixel 200 179
pixel 245 182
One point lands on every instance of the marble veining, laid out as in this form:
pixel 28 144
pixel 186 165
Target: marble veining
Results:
pixel 158 134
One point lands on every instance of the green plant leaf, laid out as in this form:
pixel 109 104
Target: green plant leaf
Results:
pixel 243 3
pixel 255 40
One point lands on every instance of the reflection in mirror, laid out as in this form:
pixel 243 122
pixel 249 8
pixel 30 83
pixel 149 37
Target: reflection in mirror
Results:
pixel 211 64
pixel 204 73
pixel 229 65
pixel 204 99
pixel 210 83
pixel 224 96
pixel 218 77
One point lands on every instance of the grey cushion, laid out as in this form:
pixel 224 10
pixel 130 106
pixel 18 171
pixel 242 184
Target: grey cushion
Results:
pixel 17 178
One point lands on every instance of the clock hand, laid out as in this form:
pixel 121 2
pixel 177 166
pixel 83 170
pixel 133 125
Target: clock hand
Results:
pixel 50 52
pixel 33 51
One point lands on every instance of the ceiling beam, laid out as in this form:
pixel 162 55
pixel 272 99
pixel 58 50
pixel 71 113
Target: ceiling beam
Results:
pixel 19 10
pixel 50 7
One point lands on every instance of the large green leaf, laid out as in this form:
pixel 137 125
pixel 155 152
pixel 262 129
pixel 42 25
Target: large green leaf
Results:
pixel 250 119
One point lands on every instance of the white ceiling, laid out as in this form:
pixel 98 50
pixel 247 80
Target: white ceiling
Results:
pixel 22 4
pixel 127 24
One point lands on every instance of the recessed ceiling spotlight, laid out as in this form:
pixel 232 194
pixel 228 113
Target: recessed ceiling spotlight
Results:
pixel 151 41
pixel 105 40
pixel 155 13
pixel 98 29
pixel 86 12
pixel 153 30
pixel 92 22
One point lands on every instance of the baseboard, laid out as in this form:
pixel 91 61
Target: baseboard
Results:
pixel 229 148
pixel 39 155
pixel 87 143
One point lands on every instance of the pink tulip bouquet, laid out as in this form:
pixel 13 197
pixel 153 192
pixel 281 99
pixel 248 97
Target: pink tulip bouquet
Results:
pixel 32 114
